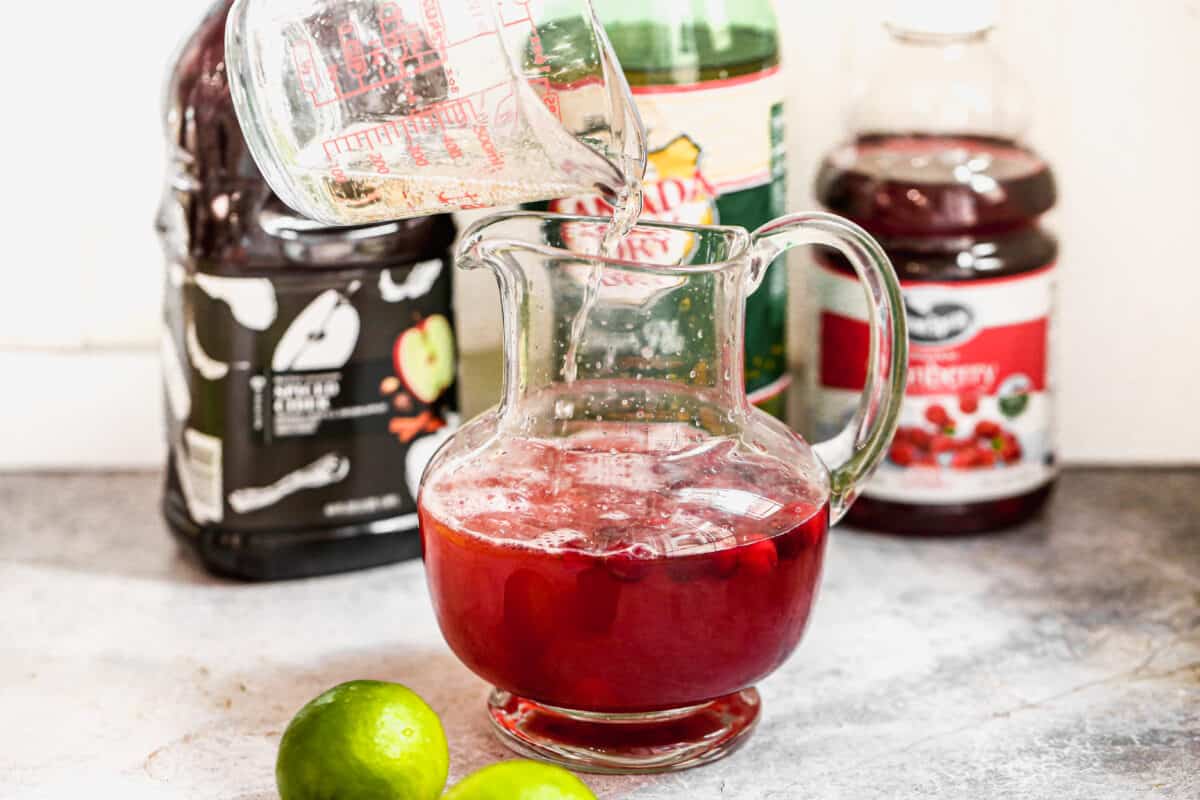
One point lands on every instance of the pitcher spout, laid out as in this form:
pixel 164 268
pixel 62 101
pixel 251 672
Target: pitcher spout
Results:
pixel 662 322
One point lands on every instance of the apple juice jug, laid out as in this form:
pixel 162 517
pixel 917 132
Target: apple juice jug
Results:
pixel 935 168
pixel 309 372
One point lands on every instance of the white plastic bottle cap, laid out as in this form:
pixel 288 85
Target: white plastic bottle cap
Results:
pixel 942 17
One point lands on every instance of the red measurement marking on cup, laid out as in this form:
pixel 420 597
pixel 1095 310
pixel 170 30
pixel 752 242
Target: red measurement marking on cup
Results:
pixel 542 85
pixel 495 159
pixel 523 14
pixel 448 115
pixel 398 52
pixel 391 25
pixel 472 38
pixel 306 69
pixel 545 89
pixel 435 25
pixel 466 201
pixel 352 51
pixel 379 163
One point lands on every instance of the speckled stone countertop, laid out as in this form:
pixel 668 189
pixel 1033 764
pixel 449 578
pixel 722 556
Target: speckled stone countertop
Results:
pixel 1061 660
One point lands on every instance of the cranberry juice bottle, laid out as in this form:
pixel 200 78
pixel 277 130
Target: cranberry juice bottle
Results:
pixel 596 574
pixel 936 171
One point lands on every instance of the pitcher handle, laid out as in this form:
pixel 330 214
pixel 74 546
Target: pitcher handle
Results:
pixel 857 449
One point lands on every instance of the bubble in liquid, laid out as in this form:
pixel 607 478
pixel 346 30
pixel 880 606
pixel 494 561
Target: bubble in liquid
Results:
pixel 648 548
pixel 692 374
pixel 647 352
pixel 563 409
pixel 562 539
pixel 698 535
pixel 619 540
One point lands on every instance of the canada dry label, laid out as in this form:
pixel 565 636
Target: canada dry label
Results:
pixel 975 423
pixel 703 170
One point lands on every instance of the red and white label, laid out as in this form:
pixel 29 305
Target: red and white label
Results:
pixel 976 421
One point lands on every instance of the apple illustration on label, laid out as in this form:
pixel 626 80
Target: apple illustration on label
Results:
pixel 424 358
pixel 322 336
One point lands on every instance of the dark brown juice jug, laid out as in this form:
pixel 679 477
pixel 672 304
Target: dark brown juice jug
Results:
pixel 308 372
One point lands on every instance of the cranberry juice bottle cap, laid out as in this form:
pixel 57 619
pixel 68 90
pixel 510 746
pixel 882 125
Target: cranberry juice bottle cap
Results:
pixel 941 17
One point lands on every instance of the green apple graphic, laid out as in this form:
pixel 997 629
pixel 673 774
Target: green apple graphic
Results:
pixel 424 358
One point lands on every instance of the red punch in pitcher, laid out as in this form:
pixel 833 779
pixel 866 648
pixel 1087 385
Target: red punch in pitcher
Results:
pixel 624 553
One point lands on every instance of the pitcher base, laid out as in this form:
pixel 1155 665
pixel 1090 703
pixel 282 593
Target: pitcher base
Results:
pixel 659 741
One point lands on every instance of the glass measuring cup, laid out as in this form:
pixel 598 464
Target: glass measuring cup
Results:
pixel 358 111
pixel 623 556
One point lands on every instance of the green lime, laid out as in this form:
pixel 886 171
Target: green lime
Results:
pixel 363 740
pixel 520 780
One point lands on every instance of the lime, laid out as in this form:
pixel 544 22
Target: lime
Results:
pixel 363 740
pixel 520 780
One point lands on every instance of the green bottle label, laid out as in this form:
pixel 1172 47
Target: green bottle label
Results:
pixel 716 157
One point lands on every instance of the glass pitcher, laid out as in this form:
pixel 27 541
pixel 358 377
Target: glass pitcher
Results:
pixel 360 111
pixel 624 555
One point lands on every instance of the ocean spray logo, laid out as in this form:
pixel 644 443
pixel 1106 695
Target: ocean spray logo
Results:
pixel 939 323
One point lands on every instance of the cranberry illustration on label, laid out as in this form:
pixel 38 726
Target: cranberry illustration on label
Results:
pixel 988 443
pixel 902 453
pixel 986 429
pixel 1009 447
pixel 941 443
pixel 937 415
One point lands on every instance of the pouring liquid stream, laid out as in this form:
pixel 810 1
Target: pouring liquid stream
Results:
pixel 626 211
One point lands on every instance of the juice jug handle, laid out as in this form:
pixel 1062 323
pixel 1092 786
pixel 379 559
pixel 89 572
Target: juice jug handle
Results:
pixel 857 449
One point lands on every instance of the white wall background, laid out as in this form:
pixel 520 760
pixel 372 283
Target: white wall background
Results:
pixel 1116 112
